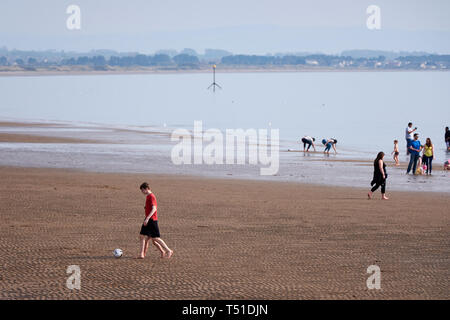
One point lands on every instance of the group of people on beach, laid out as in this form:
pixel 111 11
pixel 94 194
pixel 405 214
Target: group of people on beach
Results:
pixel 419 164
pixel 150 231
pixel 328 143
pixel 421 156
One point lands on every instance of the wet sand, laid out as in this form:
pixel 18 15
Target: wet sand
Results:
pixel 233 239
pixel 29 138
pixel 110 148
pixel 27 124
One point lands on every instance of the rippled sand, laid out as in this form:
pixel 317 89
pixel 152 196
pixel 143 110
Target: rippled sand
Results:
pixel 232 239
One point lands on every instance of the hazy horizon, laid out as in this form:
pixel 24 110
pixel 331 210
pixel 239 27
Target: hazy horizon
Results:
pixel 249 27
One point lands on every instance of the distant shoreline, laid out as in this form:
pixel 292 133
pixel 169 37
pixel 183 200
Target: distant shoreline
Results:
pixel 19 72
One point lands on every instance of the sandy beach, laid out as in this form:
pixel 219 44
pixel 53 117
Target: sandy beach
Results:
pixel 233 239
pixel 289 152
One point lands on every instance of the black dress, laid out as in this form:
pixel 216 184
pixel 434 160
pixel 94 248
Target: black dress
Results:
pixel 377 175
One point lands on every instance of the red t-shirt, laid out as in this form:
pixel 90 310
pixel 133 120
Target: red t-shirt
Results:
pixel 149 202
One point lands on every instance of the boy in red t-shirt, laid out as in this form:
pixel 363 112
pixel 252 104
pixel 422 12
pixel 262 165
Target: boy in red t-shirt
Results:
pixel 150 228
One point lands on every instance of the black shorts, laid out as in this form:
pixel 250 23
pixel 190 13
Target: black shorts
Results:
pixel 306 141
pixel 151 229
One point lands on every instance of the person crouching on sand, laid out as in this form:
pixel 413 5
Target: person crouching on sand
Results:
pixel 396 153
pixel 307 140
pixel 379 177
pixel 149 229
pixel 447 165
pixel 328 144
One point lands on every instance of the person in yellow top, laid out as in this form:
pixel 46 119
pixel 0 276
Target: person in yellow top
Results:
pixel 428 154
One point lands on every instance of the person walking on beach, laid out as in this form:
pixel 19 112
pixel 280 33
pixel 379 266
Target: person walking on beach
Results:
pixel 414 149
pixel 328 144
pixel 379 177
pixel 307 140
pixel 409 136
pixel 447 138
pixel 428 155
pixel 149 229
pixel 396 153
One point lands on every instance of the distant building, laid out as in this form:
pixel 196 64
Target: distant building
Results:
pixel 312 62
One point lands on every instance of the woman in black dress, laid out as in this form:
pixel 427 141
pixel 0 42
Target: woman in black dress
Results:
pixel 379 176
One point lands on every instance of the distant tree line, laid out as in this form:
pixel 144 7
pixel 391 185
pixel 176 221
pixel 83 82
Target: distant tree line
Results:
pixel 406 62
pixel 137 60
pixel 262 60
pixel 315 59
pixel 187 60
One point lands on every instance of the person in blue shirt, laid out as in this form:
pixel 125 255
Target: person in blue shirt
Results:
pixel 415 148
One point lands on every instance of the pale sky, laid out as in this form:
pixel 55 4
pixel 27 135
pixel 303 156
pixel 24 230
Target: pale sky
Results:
pixel 241 26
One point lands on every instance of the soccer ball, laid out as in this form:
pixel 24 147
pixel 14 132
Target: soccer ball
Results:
pixel 118 253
